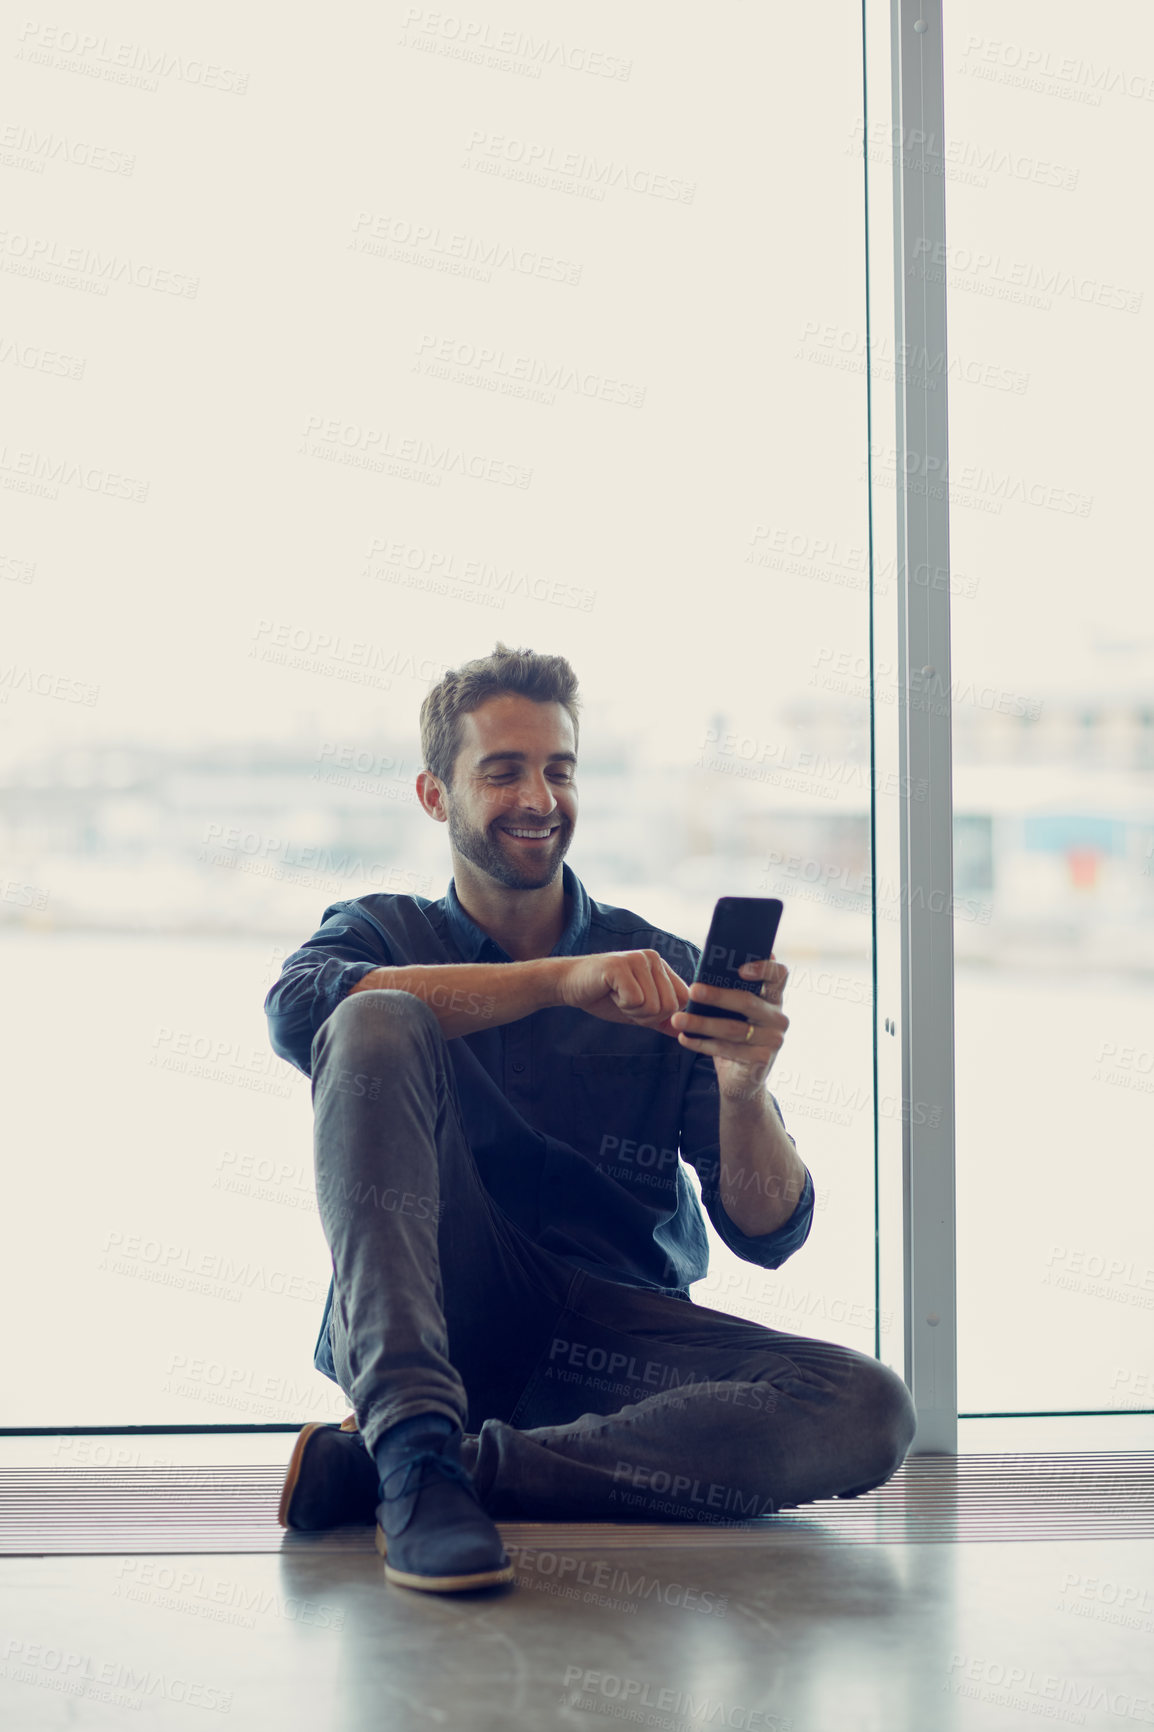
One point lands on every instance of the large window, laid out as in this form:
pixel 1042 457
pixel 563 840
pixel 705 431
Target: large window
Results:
pixel 335 356
pixel 380 343
pixel 1047 270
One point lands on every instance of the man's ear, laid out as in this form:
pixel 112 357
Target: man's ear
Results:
pixel 431 794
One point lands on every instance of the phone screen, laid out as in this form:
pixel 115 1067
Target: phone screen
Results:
pixel 743 929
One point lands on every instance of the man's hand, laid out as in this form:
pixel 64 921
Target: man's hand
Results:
pixel 634 986
pixel 742 1060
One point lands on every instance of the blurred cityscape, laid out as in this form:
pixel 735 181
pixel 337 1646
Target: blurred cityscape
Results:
pixel 1054 831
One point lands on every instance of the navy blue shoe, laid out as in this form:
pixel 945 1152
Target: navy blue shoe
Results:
pixel 431 1528
pixel 331 1481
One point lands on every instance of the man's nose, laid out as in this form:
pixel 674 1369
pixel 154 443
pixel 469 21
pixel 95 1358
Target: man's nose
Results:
pixel 538 797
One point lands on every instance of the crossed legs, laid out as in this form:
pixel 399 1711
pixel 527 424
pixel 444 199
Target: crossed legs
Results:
pixel 442 1304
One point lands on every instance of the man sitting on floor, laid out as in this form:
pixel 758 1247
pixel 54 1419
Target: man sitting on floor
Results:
pixel 505 1085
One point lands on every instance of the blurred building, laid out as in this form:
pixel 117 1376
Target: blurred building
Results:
pixel 1054 830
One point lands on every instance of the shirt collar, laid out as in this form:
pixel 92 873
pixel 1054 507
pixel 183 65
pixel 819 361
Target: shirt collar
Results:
pixel 476 946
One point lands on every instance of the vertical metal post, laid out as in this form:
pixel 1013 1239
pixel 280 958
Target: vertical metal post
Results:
pixel 926 905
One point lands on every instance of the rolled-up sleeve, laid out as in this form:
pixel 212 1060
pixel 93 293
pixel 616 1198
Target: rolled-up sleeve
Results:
pixel 700 1146
pixel 316 977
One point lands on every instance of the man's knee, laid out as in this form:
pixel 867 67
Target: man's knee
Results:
pixel 885 1421
pixel 366 1024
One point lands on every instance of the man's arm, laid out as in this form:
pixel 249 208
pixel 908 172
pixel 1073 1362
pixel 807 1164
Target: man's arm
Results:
pixel 630 986
pixel 762 1176
pixel 731 1189
pixel 468 996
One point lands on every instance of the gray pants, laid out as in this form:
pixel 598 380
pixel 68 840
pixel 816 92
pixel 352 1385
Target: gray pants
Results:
pixel 581 1398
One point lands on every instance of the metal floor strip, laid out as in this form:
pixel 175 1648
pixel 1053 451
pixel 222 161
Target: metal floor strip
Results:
pixel 68 1512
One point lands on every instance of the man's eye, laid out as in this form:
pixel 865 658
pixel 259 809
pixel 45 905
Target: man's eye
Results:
pixel 511 775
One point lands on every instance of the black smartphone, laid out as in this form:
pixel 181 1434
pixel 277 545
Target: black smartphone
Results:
pixel 743 929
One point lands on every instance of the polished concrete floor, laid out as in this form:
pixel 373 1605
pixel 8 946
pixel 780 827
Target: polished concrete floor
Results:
pixel 797 1631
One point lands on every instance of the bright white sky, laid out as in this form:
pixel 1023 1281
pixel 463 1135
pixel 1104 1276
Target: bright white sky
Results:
pixel 738 313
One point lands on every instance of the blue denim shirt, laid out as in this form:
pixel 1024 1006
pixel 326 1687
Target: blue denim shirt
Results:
pixel 576 1124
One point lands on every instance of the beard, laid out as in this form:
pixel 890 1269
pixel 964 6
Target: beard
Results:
pixel 487 852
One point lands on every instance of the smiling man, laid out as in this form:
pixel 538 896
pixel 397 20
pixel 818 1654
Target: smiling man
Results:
pixel 508 1085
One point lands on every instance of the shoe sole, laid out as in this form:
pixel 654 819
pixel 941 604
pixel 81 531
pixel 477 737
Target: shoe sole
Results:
pixel 440 1584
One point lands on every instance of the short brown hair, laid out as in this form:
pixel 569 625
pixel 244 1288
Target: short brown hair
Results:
pixel 545 679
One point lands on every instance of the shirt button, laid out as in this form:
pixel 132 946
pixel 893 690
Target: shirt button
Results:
pixel 518 1068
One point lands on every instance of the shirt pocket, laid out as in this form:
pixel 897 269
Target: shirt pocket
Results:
pixel 626 1110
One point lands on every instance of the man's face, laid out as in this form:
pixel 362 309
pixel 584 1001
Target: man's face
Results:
pixel 513 804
